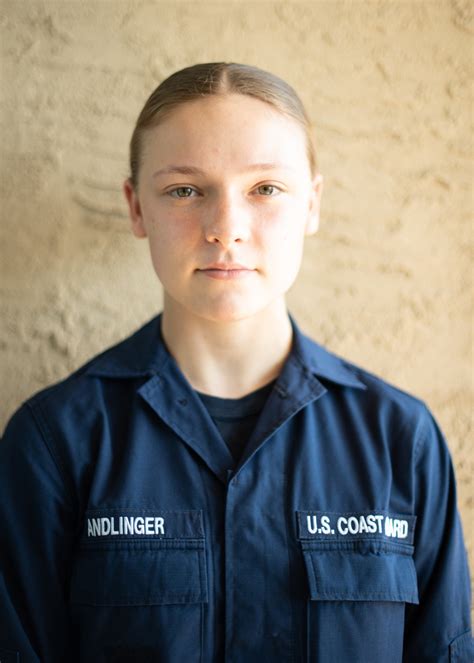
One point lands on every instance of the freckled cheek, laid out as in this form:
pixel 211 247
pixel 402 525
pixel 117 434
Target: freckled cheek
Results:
pixel 167 229
pixel 286 246
pixel 286 233
pixel 172 246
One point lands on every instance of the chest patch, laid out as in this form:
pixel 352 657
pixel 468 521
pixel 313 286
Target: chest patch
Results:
pixel 330 525
pixel 115 523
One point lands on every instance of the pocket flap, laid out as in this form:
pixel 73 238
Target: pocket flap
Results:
pixel 461 650
pixel 350 575
pixel 9 656
pixel 140 573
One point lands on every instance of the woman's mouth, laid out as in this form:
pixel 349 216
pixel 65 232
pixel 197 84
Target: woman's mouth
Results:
pixel 226 270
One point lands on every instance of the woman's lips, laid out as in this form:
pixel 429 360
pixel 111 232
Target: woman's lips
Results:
pixel 226 273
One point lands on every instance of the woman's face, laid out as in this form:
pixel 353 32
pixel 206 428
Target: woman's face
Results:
pixel 225 182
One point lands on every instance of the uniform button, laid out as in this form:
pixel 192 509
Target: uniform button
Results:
pixel 182 401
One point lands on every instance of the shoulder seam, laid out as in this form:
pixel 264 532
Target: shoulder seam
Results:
pixel 421 435
pixel 46 436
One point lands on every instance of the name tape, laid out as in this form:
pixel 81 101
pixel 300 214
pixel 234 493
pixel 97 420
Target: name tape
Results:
pixel 325 525
pixel 136 523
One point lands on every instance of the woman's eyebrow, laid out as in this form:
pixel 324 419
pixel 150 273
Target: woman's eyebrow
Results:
pixel 194 170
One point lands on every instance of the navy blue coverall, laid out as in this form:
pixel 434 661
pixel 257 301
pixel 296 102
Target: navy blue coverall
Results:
pixel 129 533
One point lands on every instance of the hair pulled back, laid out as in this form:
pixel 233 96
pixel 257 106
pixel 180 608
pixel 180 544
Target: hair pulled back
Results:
pixel 217 78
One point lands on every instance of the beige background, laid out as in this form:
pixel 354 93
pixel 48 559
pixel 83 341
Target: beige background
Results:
pixel 386 282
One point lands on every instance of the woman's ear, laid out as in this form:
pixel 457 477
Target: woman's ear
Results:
pixel 312 222
pixel 136 218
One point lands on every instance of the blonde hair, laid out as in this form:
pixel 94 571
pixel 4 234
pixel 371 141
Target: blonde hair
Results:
pixel 215 78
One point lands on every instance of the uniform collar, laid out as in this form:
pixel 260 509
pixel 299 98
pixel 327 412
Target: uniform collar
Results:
pixel 145 353
pixel 321 362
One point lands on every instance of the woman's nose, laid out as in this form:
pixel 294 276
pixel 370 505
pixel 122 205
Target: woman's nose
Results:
pixel 228 222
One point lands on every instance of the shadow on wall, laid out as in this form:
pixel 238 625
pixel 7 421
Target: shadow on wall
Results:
pixel 74 281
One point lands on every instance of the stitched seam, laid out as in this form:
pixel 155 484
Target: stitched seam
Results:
pixel 176 427
pixel 383 546
pixel 331 595
pixel 211 572
pixel 46 436
pixel 144 545
pixel 287 539
pixel 165 599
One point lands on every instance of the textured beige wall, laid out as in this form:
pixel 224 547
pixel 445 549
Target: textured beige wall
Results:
pixel 386 282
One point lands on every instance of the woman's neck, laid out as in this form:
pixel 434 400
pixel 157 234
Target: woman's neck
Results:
pixel 228 359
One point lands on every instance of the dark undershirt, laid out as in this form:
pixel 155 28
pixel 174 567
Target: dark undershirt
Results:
pixel 235 418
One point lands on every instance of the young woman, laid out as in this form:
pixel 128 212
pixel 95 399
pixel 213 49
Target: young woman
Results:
pixel 218 486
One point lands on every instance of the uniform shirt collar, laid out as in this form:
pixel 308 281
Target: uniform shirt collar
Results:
pixel 145 353
pixel 321 362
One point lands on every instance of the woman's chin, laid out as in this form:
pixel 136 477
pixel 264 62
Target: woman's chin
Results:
pixel 227 312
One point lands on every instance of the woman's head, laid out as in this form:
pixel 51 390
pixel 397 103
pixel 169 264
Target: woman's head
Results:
pixel 223 179
pixel 217 78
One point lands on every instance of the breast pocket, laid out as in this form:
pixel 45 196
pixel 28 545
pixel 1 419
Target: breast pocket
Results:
pixel 139 598
pixel 357 593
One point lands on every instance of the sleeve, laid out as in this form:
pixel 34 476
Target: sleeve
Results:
pixel 438 629
pixel 35 547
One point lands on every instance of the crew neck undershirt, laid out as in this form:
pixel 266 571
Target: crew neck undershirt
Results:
pixel 235 418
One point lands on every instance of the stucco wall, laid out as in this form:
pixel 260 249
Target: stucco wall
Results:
pixel 386 282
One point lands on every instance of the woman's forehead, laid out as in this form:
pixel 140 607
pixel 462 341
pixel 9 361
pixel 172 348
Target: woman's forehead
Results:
pixel 230 104
pixel 236 127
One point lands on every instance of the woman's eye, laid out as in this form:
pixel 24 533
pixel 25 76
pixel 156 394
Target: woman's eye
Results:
pixel 181 191
pixel 268 189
